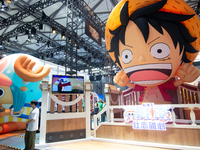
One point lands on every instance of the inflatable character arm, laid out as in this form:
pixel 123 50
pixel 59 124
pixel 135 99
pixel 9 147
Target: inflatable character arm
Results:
pixel 7 112
pixel 187 73
pixel 122 80
pixel 23 67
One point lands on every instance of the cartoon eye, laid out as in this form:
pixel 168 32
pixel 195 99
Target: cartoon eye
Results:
pixel 129 114
pixel 126 56
pixel 2 92
pixel 160 50
pixel 132 114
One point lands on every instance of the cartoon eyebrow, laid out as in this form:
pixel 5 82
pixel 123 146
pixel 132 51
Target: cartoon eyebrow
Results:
pixel 129 46
pixel 153 40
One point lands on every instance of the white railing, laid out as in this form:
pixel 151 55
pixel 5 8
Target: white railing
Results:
pixel 115 121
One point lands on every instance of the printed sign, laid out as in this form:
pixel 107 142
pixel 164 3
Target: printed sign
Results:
pixel 148 116
pixel 92 32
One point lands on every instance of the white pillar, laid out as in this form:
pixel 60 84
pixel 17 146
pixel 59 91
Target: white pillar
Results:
pixel 107 96
pixel 44 86
pixel 88 88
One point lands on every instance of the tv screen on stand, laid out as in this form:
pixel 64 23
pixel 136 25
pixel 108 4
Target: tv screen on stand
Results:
pixel 63 84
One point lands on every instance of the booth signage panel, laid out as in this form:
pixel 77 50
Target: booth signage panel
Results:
pixel 93 32
pixel 148 116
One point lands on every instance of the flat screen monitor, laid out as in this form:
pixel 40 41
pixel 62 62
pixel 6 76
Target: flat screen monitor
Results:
pixel 63 84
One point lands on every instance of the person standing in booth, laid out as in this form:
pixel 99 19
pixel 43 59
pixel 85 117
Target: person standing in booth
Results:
pixel 100 108
pixel 103 116
pixel 31 127
pixel 96 108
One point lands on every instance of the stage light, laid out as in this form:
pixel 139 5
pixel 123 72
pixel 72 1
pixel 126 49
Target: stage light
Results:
pixel 33 31
pixel 37 43
pixel 48 44
pixel 92 78
pixel 40 26
pixel 63 35
pixel 1 44
pixel 16 40
pixel 69 39
pixel 27 32
pixel 77 47
pixel 29 39
pixel 8 1
pixel 98 77
pixel 4 7
pixel 53 30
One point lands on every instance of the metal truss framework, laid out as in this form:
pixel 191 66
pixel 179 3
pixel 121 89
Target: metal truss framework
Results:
pixel 69 49
pixel 37 7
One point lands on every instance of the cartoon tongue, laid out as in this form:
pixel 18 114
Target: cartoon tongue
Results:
pixel 148 75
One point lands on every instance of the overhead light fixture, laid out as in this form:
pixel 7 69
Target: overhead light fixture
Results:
pixel 63 35
pixel 27 32
pixel 8 1
pixel 4 7
pixel 37 43
pixel 48 44
pixel 53 30
pixel 77 47
pixel 16 40
pixel 29 39
pixel 69 39
pixel 40 26
pixel 33 31
pixel 1 44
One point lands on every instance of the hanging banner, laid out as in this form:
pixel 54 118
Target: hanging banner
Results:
pixel 92 32
pixel 148 116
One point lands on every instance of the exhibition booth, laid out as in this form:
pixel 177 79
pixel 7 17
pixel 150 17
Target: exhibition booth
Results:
pixel 154 43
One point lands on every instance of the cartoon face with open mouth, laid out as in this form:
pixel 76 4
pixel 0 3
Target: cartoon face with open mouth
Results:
pixel 148 63
pixel 149 74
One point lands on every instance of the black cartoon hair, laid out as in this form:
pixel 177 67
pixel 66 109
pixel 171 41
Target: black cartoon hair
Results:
pixel 150 14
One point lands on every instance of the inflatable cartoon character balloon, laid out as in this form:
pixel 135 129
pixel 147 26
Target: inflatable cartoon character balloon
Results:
pixel 153 41
pixel 20 76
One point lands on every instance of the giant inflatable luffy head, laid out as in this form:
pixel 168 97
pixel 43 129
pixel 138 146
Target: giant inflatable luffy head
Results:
pixel 149 40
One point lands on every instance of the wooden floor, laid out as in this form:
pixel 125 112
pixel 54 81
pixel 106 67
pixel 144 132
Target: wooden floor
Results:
pixel 88 145
pixel 7 135
pixel 95 145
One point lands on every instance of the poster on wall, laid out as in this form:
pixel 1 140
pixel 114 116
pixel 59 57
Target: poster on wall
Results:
pixel 148 116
